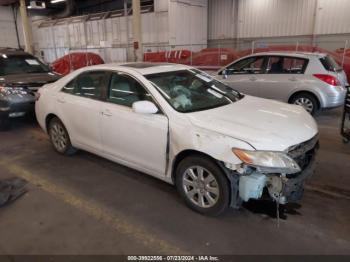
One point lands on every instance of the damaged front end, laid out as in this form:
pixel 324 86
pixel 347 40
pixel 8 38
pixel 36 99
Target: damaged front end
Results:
pixel 280 175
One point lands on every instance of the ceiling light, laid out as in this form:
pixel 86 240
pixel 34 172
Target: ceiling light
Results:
pixel 57 1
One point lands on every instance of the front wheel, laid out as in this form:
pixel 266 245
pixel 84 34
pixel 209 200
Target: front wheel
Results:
pixel 60 138
pixel 203 185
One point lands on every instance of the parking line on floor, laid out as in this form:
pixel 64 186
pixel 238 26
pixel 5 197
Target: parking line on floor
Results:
pixel 117 222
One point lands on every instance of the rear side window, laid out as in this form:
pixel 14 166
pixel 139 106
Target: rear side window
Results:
pixel 250 65
pixel 286 65
pixel 89 84
pixel 330 64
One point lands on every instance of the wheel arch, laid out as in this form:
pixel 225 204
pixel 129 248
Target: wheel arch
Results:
pixel 233 180
pixel 191 152
pixel 299 92
pixel 48 118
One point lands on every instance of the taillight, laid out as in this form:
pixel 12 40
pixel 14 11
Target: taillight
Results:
pixel 329 79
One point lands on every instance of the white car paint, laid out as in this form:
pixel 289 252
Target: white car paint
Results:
pixel 151 142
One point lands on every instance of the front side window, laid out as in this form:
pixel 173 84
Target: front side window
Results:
pixel 285 65
pixel 88 84
pixel 192 90
pixel 250 65
pixel 21 64
pixel 125 90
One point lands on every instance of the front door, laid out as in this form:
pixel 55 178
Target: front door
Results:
pixel 140 140
pixel 245 75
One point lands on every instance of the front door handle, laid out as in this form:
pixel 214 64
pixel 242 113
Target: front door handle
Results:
pixel 61 100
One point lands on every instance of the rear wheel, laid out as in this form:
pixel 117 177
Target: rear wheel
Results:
pixel 60 137
pixel 203 185
pixel 307 101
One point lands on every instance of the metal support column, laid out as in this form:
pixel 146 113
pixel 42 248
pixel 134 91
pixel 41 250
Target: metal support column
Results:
pixel 136 30
pixel 27 31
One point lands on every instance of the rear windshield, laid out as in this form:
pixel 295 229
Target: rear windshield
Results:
pixel 330 64
pixel 21 64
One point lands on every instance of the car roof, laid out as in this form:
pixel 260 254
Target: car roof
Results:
pixel 143 68
pixel 291 53
pixel 12 51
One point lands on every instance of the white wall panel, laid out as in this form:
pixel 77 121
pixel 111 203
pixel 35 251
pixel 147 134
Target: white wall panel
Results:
pixel 333 17
pixel 266 18
pixel 221 19
pixel 188 22
pixel 161 5
pixel 7 28
pixel 274 18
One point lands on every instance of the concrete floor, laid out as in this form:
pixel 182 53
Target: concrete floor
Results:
pixel 87 205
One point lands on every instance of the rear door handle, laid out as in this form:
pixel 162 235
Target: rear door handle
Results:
pixel 293 79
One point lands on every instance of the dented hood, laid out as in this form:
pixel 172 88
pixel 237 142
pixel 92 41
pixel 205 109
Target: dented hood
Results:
pixel 264 124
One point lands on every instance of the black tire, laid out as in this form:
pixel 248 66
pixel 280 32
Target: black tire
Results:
pixel 61 144
pixel 4 123
pixel 222 183
pixel 296 99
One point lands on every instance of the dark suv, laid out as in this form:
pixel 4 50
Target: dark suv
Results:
pixel 21 74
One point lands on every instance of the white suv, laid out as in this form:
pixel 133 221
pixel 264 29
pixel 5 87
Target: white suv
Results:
pixel 178 124
pixel 312 80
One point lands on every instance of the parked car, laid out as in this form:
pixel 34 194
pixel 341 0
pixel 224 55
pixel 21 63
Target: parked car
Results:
pixel 312 80
pixel 180 125
pixel 73 61
pixel 21 74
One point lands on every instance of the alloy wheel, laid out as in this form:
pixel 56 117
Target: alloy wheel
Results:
pixel 305 103
pixel 59 137
pixel 200 186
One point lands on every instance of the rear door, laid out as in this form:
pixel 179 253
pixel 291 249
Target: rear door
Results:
pixel 79 105
pixel 245 75
pixel 283 75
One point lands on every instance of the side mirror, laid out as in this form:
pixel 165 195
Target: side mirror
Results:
pixel 144 107
pixel 224 74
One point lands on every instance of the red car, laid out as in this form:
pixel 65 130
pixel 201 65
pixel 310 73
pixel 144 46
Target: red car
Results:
pixel 74 61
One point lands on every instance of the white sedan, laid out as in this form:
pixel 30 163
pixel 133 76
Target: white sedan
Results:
pixel 178 124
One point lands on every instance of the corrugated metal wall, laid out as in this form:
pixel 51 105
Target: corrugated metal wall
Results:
pixel 274 18
pixel 173 23
pixel 266 18
pixel 188 22
pixel 221 19
pixel 7 28
pixel 333 17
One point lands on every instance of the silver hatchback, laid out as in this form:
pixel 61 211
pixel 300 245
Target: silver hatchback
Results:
pixel 312 80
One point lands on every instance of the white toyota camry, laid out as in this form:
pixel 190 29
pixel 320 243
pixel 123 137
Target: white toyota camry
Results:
pixel 176 123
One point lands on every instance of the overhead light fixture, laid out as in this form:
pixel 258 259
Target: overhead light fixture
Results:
pixel 57 1
pixel 36 5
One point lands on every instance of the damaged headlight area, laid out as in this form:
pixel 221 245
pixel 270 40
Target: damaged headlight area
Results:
pixel 268 162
